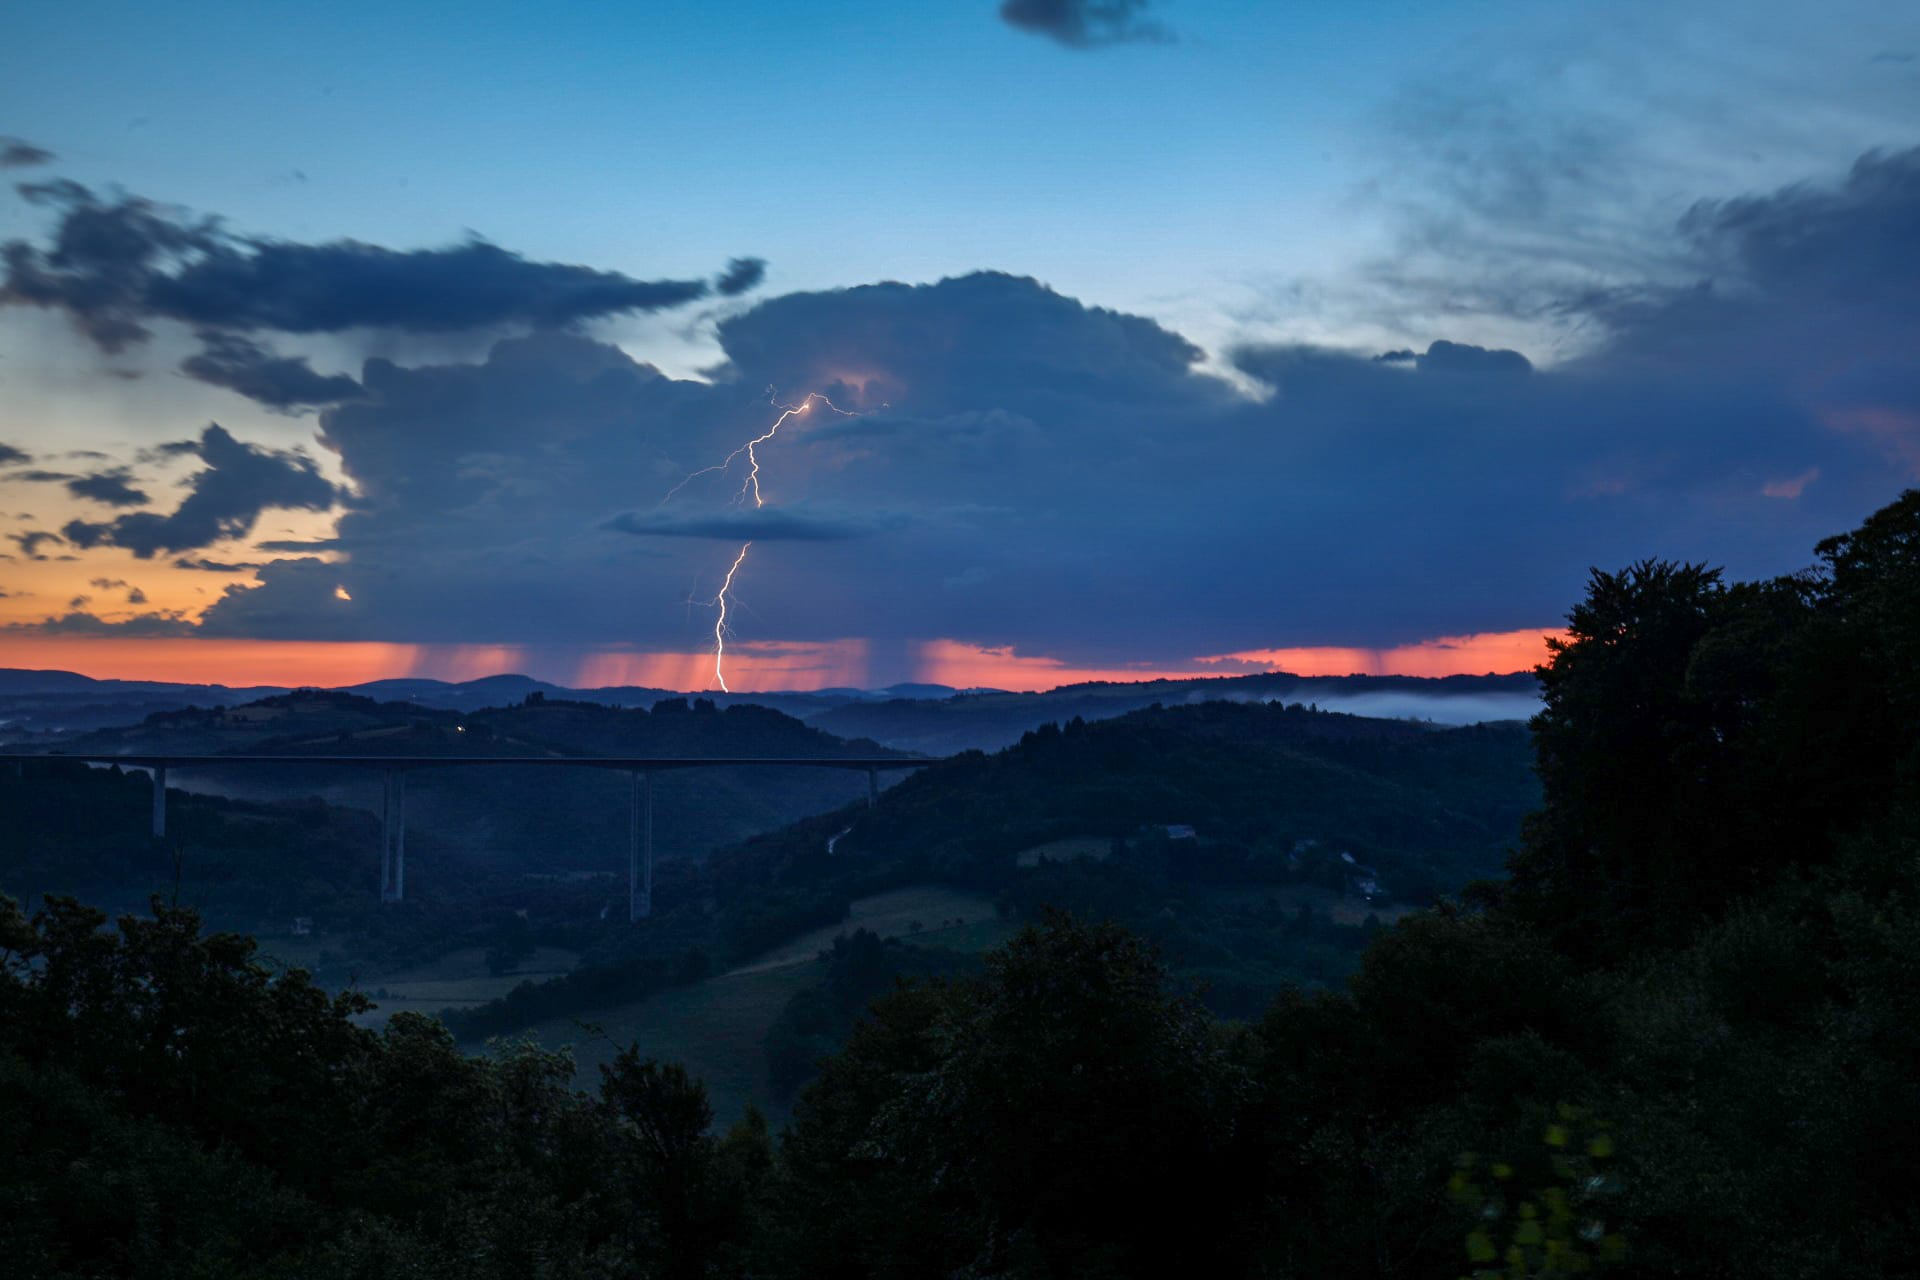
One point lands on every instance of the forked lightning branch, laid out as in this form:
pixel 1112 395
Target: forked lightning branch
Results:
pixel 749 488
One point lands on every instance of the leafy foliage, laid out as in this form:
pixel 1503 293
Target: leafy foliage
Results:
pixel 173 1108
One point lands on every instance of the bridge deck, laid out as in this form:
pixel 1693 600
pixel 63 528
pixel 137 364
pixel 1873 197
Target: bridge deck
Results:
pixel 627 763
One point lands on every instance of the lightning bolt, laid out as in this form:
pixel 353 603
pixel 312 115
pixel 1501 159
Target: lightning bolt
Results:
pixel 720 619
pixel 749 487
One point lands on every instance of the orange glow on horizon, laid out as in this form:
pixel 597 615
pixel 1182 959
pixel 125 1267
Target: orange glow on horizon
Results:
pixel 752 667
pixel 1483 653
pixel 236 663
pixel 972 666
pixel 962 665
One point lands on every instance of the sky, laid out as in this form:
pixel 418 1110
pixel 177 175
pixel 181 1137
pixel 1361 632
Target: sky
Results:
pixel 1129 338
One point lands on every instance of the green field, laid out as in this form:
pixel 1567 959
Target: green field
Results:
pixel 455 980
pixel 949 918
pixel 715 1028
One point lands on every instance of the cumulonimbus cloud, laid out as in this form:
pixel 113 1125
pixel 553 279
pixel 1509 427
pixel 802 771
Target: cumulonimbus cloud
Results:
pixel 1097 489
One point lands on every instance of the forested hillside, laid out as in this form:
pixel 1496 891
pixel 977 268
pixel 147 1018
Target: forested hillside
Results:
pixel 1260 784
pixel 1289 809
pixel 988 720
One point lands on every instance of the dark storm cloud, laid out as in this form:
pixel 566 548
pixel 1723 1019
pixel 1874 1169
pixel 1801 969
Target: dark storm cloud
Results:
pixel 204 565
pixel 18 153
pixel 1784 275
pixel 224 500
pixel 31 541
pixel 113 488
pixel 295 599
pixel 168 452
pixel 741 275
pixel 1085 24
pixel 300 544
pixel 277 381
pixel 325 288
pixel 102 260
pixel 766 524
pixel 1455 357
pixel 116 266
pixel 144 626
pixel 10 456
pixel 1004 336
pixel 134 594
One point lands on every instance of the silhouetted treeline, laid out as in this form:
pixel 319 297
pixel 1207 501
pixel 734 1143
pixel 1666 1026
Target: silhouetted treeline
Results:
pixel 1681 1040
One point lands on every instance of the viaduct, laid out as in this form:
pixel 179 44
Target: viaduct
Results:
pixel 393 814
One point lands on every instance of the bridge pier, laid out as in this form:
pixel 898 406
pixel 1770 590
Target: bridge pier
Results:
pixel 393 837
pixel 640 846
pixel 159 774
pixel 873 787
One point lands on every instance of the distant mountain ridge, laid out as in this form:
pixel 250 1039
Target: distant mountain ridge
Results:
pixel 37 707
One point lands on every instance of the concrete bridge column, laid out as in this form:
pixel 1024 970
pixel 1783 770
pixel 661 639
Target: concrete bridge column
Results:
pixel 393 837
pixel 873 787
pixel 159 772
pixel 400 837
pixel 640 846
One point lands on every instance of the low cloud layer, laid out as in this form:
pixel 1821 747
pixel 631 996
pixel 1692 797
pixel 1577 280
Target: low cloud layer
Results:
pixel 751 524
